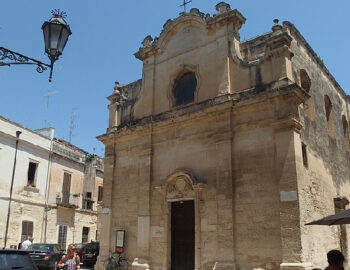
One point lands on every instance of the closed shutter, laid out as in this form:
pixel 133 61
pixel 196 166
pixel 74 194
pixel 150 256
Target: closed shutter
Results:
pixel 100 193
pixel 66 188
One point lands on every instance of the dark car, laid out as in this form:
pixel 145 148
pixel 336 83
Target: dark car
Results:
pixel 91 253
pixel 16 259
pixel 45 255
pixel 79 250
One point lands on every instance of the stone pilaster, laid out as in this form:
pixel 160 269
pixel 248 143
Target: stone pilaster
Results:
pixel 106 212
pixel 287 139
pixel 142 260
pixel 225 241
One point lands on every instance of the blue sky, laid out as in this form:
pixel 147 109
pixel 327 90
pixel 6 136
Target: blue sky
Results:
pixel 106 33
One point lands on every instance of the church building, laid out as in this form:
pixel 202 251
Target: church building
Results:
pixel 224 149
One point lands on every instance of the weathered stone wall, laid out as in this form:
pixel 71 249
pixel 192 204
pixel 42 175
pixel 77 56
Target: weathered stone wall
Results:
pixel 327 174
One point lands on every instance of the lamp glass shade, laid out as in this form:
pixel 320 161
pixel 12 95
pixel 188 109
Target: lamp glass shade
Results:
pixel 55 36
pixel 64 38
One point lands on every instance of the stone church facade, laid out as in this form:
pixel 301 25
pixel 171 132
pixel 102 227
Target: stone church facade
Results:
pixel 224 149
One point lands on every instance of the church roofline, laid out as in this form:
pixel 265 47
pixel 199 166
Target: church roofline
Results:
pixel 224 14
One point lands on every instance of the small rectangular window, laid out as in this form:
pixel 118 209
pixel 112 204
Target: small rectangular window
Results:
pixel 88 200
pixel 85 234
pixel 100 194
pixel 27 230
pixel 32 168
pixel 304 153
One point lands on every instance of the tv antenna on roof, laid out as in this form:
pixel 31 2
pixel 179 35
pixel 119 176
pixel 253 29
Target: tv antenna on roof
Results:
pixel 185 3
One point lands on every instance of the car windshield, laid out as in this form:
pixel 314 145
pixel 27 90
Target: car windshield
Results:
pixel 91 247
pixel 41 247
pixel 15 261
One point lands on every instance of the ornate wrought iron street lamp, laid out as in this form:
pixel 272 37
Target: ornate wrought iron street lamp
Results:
pixel 56 32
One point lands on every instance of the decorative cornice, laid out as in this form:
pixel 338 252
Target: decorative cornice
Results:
pixel 242 98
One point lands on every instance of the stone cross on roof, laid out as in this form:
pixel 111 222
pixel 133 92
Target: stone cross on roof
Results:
pixel 185 3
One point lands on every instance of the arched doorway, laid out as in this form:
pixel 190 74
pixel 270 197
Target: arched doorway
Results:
pixel 182 193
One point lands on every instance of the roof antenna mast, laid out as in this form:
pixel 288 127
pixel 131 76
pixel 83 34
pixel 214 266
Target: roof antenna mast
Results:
pixel 72 124
pixel 185 3
pixel 47 96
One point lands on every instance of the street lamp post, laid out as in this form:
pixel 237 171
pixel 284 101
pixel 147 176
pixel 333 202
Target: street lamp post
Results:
pixel 56 32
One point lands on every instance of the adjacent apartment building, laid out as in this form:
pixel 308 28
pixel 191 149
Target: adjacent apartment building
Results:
pixel 53 188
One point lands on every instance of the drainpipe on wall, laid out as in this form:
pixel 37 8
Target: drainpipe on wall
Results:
pixel 47 189
pixel 11 188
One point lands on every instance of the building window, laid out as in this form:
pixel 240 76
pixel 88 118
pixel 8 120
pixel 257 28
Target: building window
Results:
pixel 66 188
pixel 345 132
pixel 305 80
pixel 345 125
pixel 304 153
pixel 32 168
pixel 184 88
pixel 27 230
pixel 340 204
pixel 62 236
pixel 100 194
pixel 327 106
pixel 329 116
pixel 85 234
pixel 87 202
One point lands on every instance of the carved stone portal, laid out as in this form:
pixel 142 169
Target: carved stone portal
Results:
pixel 180 186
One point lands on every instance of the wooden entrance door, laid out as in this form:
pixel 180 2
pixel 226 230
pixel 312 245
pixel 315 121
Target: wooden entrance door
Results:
pixel 182 235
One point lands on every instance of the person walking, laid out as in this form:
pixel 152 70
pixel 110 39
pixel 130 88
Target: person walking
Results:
pixel 70 261
pixel 27 243
pixel 335 260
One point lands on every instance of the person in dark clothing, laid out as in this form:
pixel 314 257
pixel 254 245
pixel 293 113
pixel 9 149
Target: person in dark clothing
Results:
pixel 335 260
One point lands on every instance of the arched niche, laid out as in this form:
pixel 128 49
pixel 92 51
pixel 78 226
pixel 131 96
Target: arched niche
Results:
pixel 305 80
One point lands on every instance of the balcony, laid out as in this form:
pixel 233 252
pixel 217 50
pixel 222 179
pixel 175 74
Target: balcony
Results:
pixel 67 199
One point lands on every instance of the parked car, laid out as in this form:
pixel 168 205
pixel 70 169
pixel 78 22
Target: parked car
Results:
pixel 91 253
pixel 80 249
pixel 45 255
pixel 16 259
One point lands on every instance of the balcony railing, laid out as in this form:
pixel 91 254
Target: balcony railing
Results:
pixel 67 199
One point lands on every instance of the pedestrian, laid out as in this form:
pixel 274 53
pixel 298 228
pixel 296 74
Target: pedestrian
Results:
pixel 70 261
pixel 27 243
pixel 335 260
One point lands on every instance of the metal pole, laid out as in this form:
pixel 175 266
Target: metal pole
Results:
pixel 12 180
